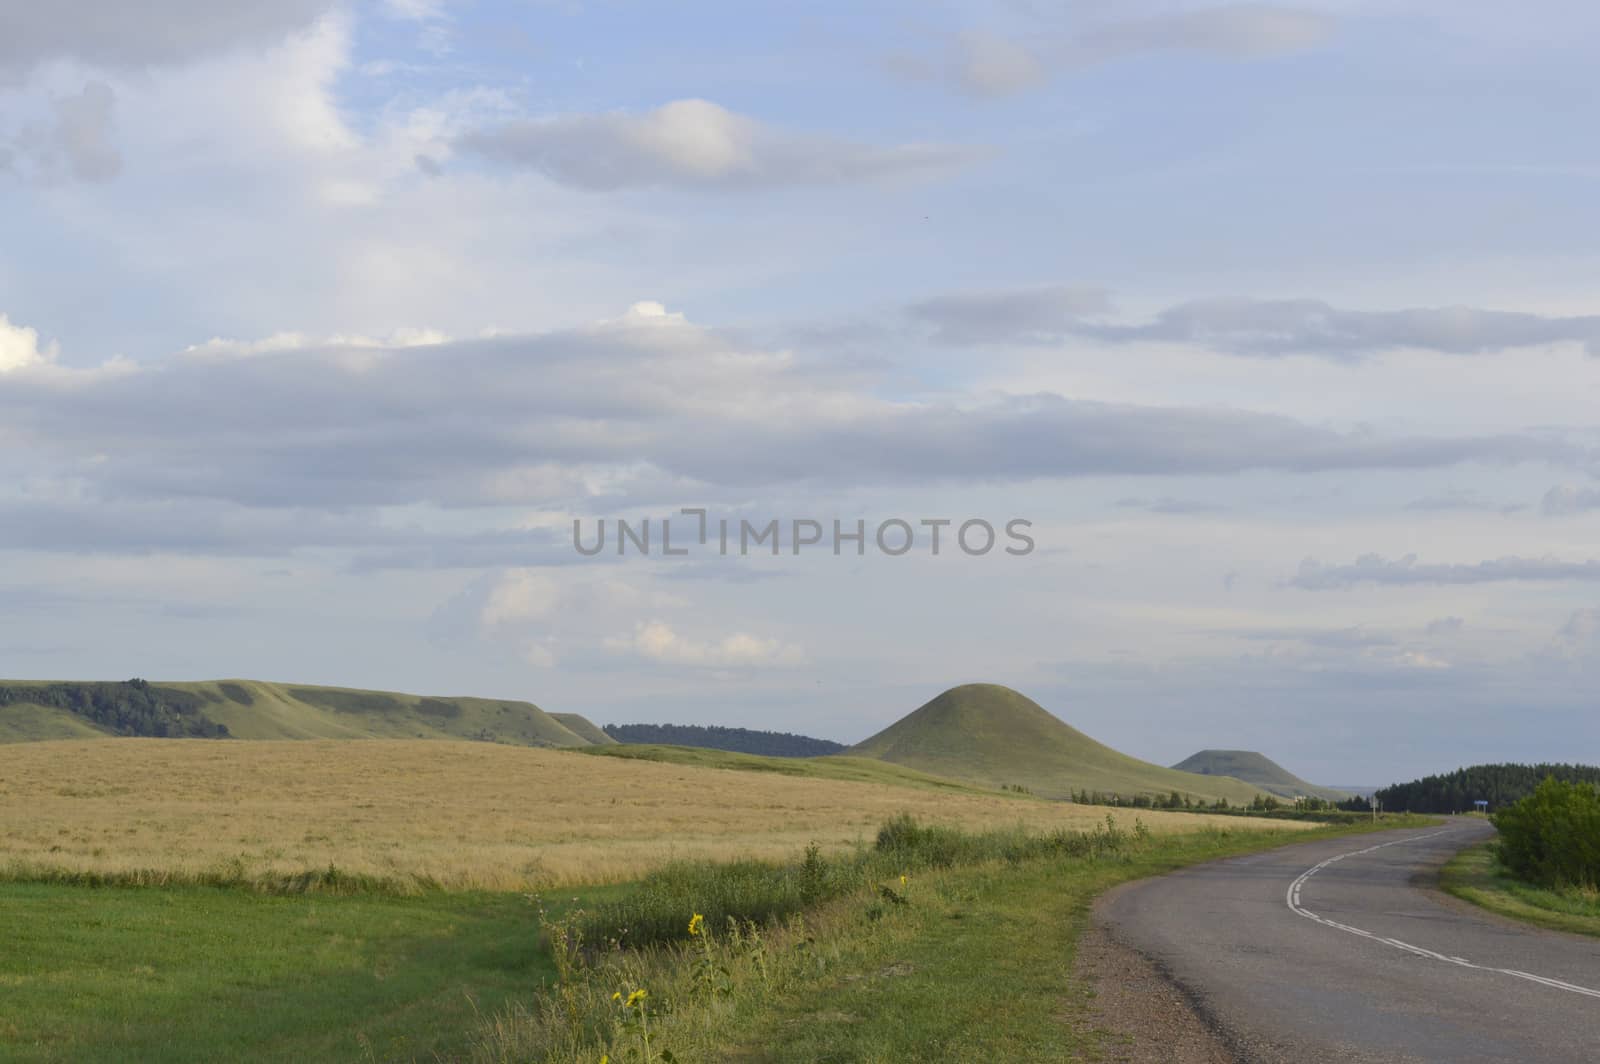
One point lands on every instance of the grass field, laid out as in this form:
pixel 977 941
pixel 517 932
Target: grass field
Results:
pixel 1474 875
pixel 453 814
pixel 202 974
pixel 993 736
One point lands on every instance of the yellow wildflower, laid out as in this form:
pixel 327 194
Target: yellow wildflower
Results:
pixel 617 996
pixel 636 997
pixel 902 879
pixel 696 924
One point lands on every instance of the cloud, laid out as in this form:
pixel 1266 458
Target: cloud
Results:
pixel 19 347
pixel 1568 500
pixel 1445 626
pixel 693 143
pixel 1260 328
pixel 647 405
pixel 1023 315
pixel 1463 500
pixel 1233 31
pixel 78 142
pixel 987 64
pixel 1407 572
pixel 1169 505
pixel 120 35
pixel 659 642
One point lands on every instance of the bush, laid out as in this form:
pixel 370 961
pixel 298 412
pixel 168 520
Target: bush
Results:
pixel 1552 837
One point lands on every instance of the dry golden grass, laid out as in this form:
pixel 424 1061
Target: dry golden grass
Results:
pixel 460 814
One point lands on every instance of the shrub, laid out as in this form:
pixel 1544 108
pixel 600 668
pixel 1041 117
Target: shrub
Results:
pixel 1552 837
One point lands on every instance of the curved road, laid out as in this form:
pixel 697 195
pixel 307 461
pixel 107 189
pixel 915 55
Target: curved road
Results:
pixel 1337 951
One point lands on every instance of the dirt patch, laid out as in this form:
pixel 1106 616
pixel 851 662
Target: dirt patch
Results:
pixel 1137 1012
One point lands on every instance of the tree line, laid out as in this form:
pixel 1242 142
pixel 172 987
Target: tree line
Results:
pixel 134 707
pixel 715 737
pixel 1500 785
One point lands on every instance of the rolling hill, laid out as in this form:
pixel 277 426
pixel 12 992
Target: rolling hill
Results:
pixel 1257 769
pixel 252 709
pixel 988 734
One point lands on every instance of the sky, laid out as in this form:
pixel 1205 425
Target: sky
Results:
pixel 322 322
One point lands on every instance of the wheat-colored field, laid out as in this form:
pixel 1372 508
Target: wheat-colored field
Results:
pixel 464 815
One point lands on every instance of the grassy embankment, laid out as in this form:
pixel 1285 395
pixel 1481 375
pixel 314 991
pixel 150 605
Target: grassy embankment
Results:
pixel 1475 876
pixel 938 947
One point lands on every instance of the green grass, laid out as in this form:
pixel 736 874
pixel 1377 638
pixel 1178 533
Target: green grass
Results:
pixel 993 736
pixel 1256 769
pixel 832 767
pixel 977 966
pixel 252 709
pixel 1475 876
pixel 202 974
pixel 943 945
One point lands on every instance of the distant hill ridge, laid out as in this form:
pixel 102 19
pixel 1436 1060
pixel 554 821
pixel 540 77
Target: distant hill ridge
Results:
pixel 716 737
pixel 992 735
pixel 1257 769
pixel 253 709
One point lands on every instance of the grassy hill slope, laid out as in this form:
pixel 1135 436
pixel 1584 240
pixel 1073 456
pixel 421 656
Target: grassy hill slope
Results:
pixel 1257 769
pixel 988 734
pixel 832 767
pixel 583 728
pixel 252 709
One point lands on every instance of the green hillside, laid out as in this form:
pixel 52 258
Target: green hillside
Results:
pixel 584 729
pixel 252 709
pixel 991 735
pixel 832 767
pixel 1257 769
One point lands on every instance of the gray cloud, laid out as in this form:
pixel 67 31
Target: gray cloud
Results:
pixel 1462 499
pixel 1168 505
pixel 118 34
pixel 987 64
pixel 1026 315
pixel 1408 572
pixel 645 407
pixel 79 143
pixel 1252 327
pixel 694 143
pixel 1567 500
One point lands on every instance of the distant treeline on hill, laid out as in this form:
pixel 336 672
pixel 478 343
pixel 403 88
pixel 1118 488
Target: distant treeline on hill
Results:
pixel 132 708
pixel 713 737
pixel 1499 785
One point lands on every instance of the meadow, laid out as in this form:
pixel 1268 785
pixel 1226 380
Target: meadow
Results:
pixel 413 815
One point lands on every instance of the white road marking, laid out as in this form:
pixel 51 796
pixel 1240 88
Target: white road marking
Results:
pixel 1292 896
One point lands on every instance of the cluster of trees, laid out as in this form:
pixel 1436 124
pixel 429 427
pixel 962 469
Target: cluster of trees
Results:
pixel 713 737
pixel 132 708
pixel 1552 836
pixel 1499 785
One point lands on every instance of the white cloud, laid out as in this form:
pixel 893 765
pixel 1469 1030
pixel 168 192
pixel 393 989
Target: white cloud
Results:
pixel 694 142
pixel 660 642
pixel 521 595
pixel 19 347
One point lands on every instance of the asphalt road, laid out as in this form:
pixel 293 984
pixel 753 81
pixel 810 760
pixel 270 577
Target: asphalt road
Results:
pixel 1291 959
